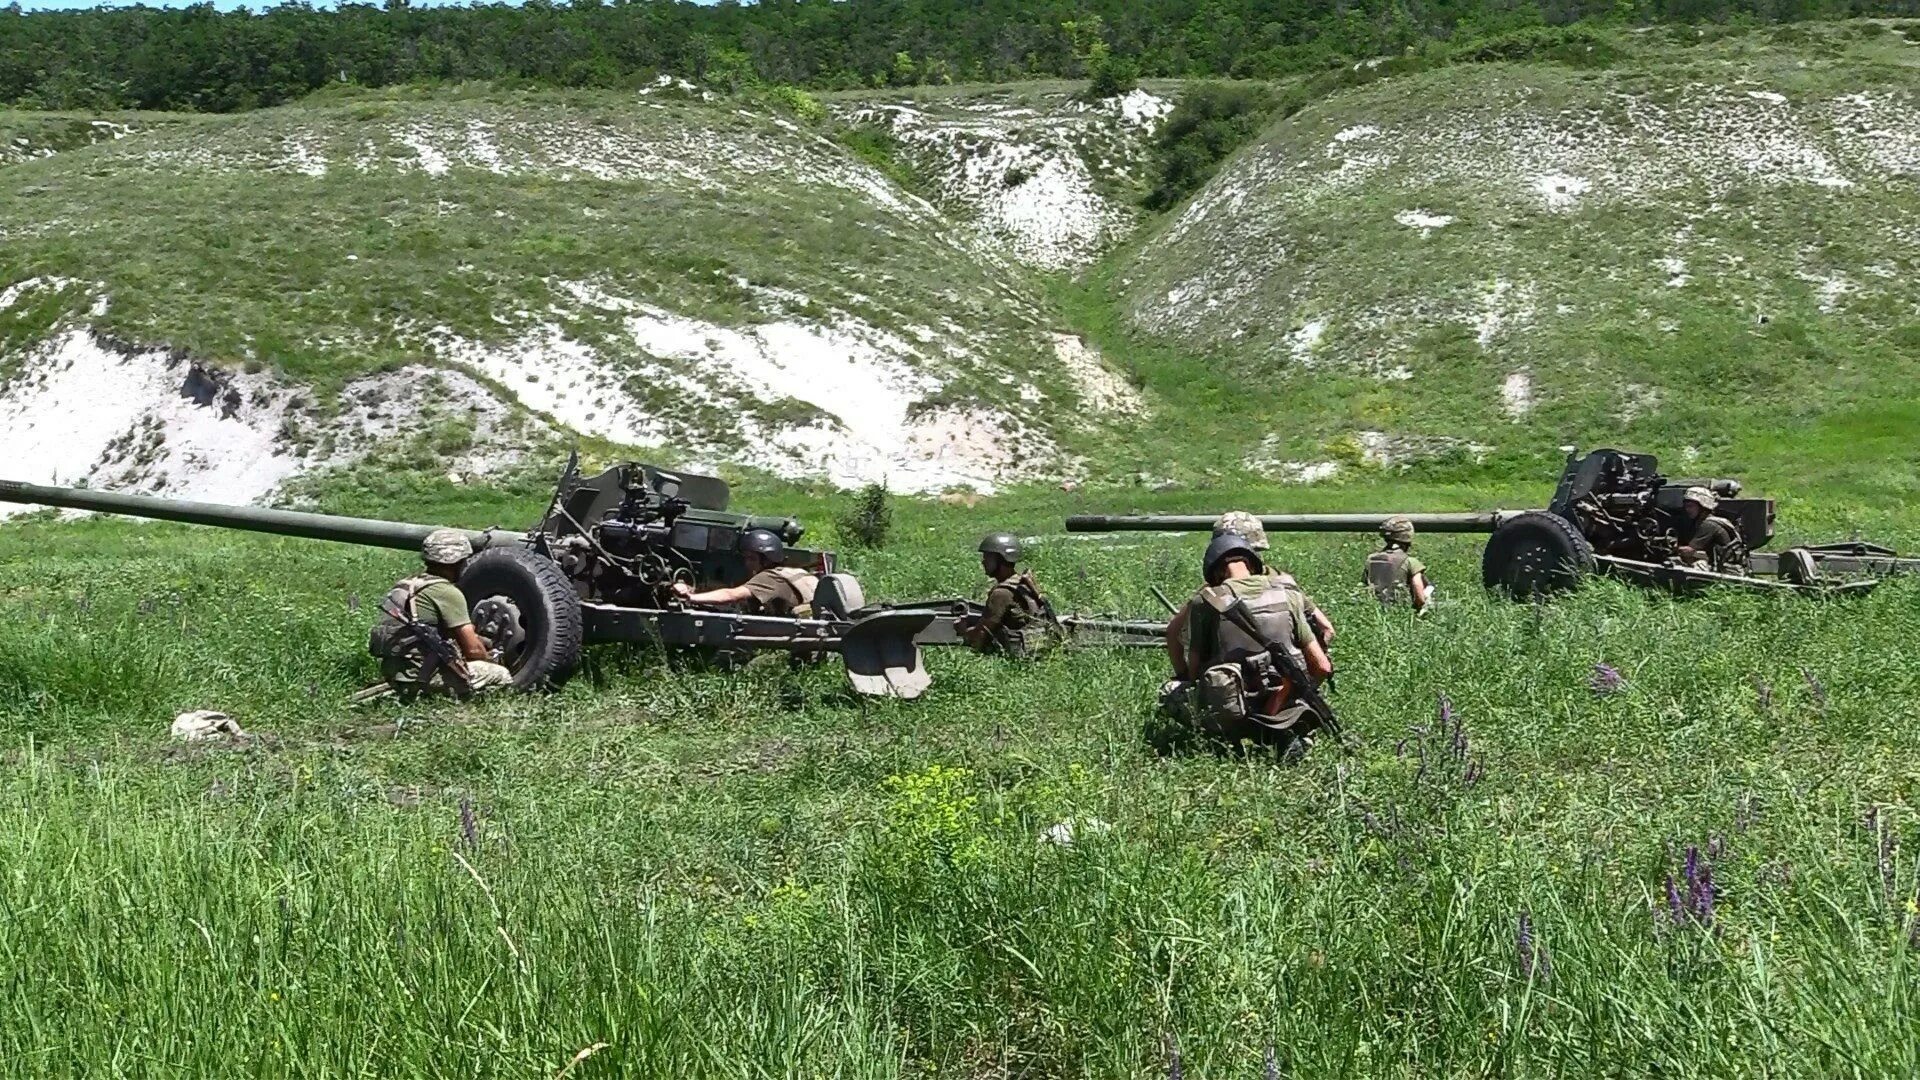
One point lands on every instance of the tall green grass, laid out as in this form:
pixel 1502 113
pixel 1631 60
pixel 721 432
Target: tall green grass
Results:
pixel 755 874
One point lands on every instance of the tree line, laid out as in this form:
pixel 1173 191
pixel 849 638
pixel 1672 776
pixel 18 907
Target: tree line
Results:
pixel 198 58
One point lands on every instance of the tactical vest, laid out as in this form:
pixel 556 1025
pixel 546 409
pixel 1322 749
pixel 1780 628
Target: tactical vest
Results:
pixel 1241 692
pixel 1030 627
pixel 803 584
pixel 395 637
pixel 1386 575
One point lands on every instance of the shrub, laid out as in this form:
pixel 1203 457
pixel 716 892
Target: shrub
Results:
pixel 1112 75
pixel 869 519
pixel 1211 121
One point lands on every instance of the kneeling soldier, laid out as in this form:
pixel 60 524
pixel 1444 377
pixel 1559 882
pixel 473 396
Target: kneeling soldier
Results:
pixel 770 588
pixel 1246 526
pixel 424 637
pixel 1245 660
pixel 1392 572
pixel 1018 621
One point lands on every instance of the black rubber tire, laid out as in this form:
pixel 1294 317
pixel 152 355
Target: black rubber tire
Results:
pixel 1536 554
pixel 549 610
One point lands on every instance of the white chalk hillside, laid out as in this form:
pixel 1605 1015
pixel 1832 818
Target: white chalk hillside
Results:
pixel 928 365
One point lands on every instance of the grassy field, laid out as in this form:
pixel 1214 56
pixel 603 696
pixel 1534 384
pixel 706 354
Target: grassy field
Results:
pixel 1520 869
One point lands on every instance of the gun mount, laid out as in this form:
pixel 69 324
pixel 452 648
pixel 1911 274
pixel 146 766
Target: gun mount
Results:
pixel 1612 512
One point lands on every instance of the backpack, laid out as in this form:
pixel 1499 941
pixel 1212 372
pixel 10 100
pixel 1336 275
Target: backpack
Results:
pixel 1244 692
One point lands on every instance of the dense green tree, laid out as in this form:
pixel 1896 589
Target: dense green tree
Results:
pixel 201 58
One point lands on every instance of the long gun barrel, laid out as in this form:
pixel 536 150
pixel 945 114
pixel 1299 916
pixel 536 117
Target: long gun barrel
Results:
pixel 366 532
pixel 1476 522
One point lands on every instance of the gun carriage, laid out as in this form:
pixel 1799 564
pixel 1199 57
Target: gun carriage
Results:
pixel 1612 513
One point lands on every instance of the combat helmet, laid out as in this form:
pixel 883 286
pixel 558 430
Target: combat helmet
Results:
pixel 1242 524
pixel 1397 530
pixel 446 547
pixel 1224 547
pixel 1005 545
pixel 1707 499
pixel 764 543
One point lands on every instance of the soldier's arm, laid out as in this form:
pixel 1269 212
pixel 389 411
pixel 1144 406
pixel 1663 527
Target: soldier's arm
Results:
pixel 1319 664
pixel 470 644
pixel 1421 591
pixel 1177 646
pixel 714 597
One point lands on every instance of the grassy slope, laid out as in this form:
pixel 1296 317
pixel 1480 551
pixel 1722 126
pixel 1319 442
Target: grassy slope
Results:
pixel 208 237
pixel 722 875
pixel 1300 229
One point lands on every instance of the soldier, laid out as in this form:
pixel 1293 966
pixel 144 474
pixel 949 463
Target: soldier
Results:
pixel 424 637
pixel 1248 527
pixel 1706 540
pixel 1018 621
pixel 1392 572
pixel 770 588
pixel 1225 679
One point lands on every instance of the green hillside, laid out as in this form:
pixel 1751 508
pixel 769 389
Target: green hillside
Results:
pixel 1691 248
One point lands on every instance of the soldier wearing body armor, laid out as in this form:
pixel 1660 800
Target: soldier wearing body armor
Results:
pixel 1246 526
pixel 1227 680
pixel 770 588
pixel 424 637
pixel 1706 540
pixel 1393 573
pixel 1017 621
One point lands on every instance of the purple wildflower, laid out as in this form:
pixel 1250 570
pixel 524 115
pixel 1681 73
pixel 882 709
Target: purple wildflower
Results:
pixel 1475 773
pixel 1703 903
pixel 1273 1064
pixel 1446 712
pixel 1674 910
pixel 1173 1063
pixel 469 827
pixel 1607 679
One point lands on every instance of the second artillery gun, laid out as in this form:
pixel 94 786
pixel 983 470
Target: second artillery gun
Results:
pixel 601 566
pixel 1614 513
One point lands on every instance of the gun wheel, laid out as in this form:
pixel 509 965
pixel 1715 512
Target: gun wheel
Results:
pixel 1536 554
pixel 526 598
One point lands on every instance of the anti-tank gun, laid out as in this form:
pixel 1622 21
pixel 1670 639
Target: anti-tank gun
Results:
pixel 1614 513
pixel 599 567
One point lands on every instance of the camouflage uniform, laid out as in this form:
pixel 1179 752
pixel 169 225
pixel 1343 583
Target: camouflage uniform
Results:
pixel 429 604
pixel 1018 621
pixel 1390 572
pixel 1713 542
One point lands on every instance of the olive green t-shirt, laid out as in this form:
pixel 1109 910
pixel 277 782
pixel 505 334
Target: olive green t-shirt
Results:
pixel 1711 537
pixel 442 604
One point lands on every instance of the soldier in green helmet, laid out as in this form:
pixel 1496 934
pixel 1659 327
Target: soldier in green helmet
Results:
pixel 1017 621
pixel 1392 572
pixel 771 588
pixel 424 637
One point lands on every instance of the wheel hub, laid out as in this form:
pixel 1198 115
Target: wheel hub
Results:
pixel 497 620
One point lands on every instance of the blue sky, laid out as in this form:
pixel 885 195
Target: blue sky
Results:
pixel 223 5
